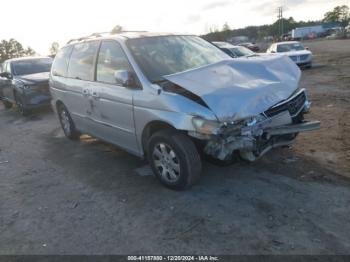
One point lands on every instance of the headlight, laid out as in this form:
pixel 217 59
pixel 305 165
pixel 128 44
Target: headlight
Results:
pixel 204 126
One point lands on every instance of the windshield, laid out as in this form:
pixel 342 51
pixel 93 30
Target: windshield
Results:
pixel 241 51
pixel 32 66
pixel 290 47
pixel 165 55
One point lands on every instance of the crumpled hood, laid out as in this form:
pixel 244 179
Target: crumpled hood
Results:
pixel 243 87
pixel 34 78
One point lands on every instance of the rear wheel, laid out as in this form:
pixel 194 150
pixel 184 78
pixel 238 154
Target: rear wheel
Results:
pixel 7 104
pixel 174 159
pixel 67 123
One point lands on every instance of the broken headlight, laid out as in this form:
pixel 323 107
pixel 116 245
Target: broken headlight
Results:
pixel 204 126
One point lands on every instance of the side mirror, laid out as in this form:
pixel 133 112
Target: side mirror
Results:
pixel 122 77
pixel 307 48
pixel 273 51
pixel 126 78
pixel 6 75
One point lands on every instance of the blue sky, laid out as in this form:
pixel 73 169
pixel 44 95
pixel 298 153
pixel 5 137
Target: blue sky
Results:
pixel 37 23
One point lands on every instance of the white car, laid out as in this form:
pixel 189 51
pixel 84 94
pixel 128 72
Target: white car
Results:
pixel 295 50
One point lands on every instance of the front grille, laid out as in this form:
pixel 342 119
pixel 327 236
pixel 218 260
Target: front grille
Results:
pixel 293 105
pixel 303 57
pixel 294 58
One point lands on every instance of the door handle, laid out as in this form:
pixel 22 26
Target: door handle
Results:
pixel 86 92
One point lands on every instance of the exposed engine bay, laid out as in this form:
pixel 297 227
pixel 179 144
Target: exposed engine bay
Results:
pixel 253 137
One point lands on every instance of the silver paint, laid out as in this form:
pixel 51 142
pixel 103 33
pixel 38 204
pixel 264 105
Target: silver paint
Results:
pixel 232 89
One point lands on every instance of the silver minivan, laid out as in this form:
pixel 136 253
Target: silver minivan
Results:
pixel 175 99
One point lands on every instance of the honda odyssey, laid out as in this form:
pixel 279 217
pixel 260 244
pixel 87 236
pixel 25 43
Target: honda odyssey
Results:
pixel 173 98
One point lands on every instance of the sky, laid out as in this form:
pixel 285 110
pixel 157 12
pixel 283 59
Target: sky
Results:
pixel 38 23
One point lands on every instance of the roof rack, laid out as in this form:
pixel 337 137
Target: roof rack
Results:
pixel 100 34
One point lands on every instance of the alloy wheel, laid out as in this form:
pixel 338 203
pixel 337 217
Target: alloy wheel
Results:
pixel 166 162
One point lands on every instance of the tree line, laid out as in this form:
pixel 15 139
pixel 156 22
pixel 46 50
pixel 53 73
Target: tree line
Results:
pixel 340 14
pixel 13 49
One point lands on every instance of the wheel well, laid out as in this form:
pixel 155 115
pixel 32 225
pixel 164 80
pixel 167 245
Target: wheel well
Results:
pixel 152 128
pixel 59 103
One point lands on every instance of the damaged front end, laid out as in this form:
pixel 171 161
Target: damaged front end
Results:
pixel 253 137
pixel 256 102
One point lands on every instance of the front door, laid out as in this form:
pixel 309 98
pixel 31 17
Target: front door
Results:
pixel 112 104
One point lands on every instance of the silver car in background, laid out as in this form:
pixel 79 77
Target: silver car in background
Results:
pixel 295 51
pixel 174 98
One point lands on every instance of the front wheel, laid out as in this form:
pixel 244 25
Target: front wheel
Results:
pixel 67 123
pixel 174 159
pixel 21 107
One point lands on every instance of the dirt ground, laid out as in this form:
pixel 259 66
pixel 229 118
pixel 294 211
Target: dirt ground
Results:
pixel 87 197
pixel 329 86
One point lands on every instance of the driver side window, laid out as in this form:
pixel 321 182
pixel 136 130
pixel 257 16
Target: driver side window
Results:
pixel 111 58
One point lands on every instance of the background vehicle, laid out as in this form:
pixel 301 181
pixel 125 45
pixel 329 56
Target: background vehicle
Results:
pixel 303 32
pixel 295 50
pixel 251 46
pixel 172 97
pixel 24 82
pixel 2 81
pixel 234 51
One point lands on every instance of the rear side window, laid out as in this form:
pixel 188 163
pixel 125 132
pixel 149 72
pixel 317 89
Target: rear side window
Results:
pixel 60 64
pixel 81 64
pixel 111 59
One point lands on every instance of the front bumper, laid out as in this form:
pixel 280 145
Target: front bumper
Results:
pixel 280 126
pixel 221 148
pixel 302 60
pixel 36 96
pixel 292 129
pixel 36 101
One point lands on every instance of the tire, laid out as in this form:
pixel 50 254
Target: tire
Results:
pixel 174 159
pixel 20 105
pixel 7 104
pixel 67 123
